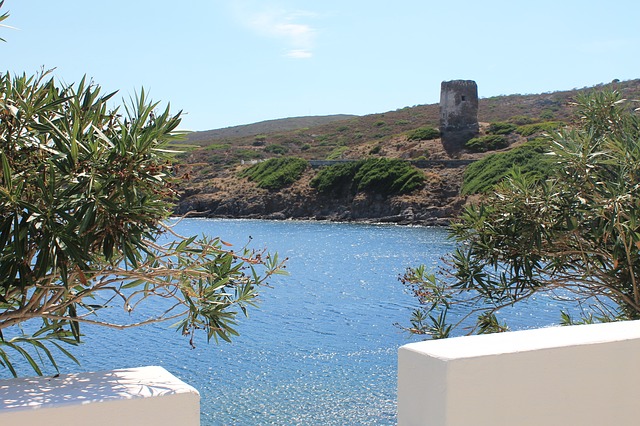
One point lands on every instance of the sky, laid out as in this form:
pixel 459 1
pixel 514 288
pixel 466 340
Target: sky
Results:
pixel 231 62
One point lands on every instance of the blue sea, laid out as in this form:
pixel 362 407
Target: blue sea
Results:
pixel 322 347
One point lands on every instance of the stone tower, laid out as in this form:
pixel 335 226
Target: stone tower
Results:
pixel 458 114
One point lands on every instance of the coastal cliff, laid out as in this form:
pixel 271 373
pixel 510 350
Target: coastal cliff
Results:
pixel 434 204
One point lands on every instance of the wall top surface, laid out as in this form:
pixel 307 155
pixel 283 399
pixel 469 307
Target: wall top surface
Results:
pixel 526 340
pixel 83 388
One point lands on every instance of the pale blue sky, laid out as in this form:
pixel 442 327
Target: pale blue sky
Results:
pixel 230 62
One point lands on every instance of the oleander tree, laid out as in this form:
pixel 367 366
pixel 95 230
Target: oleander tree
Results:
pixel 573 235
pixel 85 197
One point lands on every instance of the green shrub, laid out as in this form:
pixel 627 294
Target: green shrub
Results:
pixel 521 120
pixel 331 179
pixel 532 129
pixel 276 149
pixel 305 147
pixel 388 176
pixel 501 128
pixel 259 140
pixel 248 154
pixel 483 175
pixel 423 134
pixel 375 150
pixel 276 173
pixel 379 175
pixel 217 147
pixel 547 114
pixel 337 152
pixel 486 143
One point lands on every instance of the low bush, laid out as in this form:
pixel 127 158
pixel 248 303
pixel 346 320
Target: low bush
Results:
pixel 276 149
pixel 423 134
pixel 248 154
pixel 521 120
pixel 483 175
pixel 276 173
pixel 337 152
pixel 536 128
pixel 547 114
pixel 388 176
pixel 381 175
pixel 218 147
pixel 333 178
pixel 486 143
pixel 259 140
pixel 501 128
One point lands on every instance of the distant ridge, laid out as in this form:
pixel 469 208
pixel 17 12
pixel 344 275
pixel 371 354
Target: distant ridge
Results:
pixel 268 126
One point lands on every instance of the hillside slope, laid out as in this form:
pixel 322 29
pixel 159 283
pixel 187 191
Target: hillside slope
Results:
pixel 264 127
pixel 213 187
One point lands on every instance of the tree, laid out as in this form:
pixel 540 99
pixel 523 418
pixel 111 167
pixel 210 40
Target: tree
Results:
pixel 575 234
pixel 85 194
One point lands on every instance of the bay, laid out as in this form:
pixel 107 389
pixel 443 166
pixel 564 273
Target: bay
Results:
pixel 321 348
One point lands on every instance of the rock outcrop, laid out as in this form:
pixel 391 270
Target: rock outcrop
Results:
pixel 436 204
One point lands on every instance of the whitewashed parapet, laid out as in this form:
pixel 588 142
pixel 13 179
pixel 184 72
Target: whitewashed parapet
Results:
pixel 136 396
pixel 580 375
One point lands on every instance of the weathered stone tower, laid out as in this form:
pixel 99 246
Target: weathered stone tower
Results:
pixel 458 114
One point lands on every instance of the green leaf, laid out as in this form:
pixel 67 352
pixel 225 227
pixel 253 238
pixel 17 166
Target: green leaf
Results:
pixel 75 325
pixel 34 365
pixel 66 353
pixel 6 362
pixel 6 172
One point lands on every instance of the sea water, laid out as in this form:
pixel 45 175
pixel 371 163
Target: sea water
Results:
pixel 322 347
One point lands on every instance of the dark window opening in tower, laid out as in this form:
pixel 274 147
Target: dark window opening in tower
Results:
pixel 463 98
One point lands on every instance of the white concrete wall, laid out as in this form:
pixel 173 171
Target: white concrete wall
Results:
pixel 137 396
pixel 581 375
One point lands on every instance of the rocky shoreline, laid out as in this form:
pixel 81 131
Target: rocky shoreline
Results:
pixel 406 217
pixel 435 205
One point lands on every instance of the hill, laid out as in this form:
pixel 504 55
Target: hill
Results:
pixel 264 127
pixel 215 189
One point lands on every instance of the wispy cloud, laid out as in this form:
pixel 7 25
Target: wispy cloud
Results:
pixel 299 54
pixel 287 26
